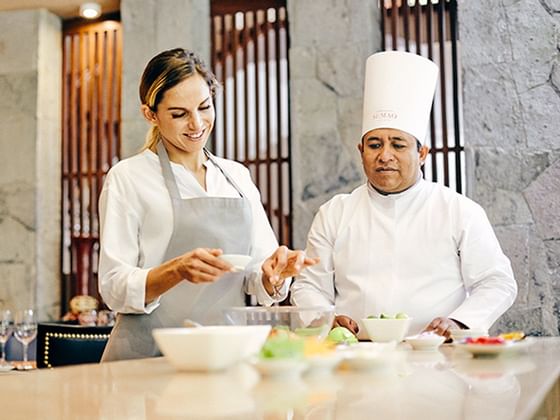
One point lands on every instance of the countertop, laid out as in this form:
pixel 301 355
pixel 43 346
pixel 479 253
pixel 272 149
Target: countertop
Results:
pixel 446 384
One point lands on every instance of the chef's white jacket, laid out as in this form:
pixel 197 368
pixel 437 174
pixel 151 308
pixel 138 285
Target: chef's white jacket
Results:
pixel 427 251
pixel 136 223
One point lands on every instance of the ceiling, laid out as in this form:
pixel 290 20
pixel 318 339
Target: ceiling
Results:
pixel 66 9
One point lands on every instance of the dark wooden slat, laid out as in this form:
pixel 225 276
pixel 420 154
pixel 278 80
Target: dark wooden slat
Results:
pixel 288 139
pixel 245 51
pixel 117 93
pixel 406 25
pixel 268 117
pixel 383 28
pixel 213 65
pixel 92 135
pixel 225 54
pixel 455 86
pixel 234 52
pixel 277 28
pixel 394 23
pixel 110 76
pixel 418 27
pixel 258 35
pixel 443 92
pixel 429 38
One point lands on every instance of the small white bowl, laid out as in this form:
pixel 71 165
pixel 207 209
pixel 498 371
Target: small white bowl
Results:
pixel 238 261
pixel 425 342
pixel 209 348
pixel 382 329
pixel 458 334
pixel 280 368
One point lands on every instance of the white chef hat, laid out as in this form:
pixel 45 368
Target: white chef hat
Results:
pixel 398 92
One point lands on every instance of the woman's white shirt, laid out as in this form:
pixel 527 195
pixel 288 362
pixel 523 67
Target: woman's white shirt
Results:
pixel 136 224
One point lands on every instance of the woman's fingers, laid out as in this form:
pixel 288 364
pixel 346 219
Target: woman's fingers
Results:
pixel 202 265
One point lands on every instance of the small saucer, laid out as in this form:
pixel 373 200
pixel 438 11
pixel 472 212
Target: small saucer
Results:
pixel 6 367
pixel 425 343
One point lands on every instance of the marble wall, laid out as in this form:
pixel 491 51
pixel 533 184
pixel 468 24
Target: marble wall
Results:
pixel 330 41
pixel 511 83
pixel 30 105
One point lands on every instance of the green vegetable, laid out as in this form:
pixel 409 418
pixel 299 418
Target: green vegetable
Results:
pixel 383 315
pixel 282 346
pixel 372 317
pixel 342 335
pixel 401 315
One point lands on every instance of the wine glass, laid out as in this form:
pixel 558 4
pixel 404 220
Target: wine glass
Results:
pixel 6 328
pixel 25 331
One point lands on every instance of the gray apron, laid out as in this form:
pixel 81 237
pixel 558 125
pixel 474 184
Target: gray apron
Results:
pixel 201 222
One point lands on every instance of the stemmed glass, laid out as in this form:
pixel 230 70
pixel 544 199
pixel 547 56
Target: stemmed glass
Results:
pixel 25 332
pixel 6 328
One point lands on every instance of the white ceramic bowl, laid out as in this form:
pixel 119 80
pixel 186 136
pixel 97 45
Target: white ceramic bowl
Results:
pixel 303 321
pixel 382 329
pixel 459 334
pixel 238 261
pixel 425 342
pixel 209 348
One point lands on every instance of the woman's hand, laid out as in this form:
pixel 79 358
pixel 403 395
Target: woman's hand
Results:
pixel 282 264
pixel 202 265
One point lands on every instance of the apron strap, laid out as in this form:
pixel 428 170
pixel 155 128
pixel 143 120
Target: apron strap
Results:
pixel 167 171
pixel 213 159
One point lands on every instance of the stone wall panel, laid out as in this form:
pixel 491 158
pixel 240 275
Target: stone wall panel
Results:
pixel 511 125
pixel 491 108
pixel 541 108
pixel 543 197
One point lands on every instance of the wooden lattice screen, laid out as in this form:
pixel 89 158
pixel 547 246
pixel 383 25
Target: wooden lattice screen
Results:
pixel 250 58
pixel 90 144
pixel 429 28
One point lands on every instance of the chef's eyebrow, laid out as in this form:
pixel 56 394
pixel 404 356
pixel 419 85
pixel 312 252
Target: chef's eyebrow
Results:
pixel 392 138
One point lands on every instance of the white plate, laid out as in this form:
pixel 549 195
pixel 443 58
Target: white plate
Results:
pixel 6 368
pixel 280 368
pixel 494 349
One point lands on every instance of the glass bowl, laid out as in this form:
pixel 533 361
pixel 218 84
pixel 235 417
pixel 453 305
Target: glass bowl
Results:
pixel 304 321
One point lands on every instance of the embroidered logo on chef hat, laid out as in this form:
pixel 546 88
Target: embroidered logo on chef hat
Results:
pixel 398 92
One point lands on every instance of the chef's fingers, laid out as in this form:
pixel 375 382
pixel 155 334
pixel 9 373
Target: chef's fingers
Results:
pixel 440 326
pixel 347 322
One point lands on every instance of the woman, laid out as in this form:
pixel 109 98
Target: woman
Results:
pixel 168 213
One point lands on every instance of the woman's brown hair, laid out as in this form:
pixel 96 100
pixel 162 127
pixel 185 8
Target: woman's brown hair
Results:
pixel 163 72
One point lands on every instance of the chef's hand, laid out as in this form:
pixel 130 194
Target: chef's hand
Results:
pixel 282 264
pixel 202 265
pixel 346 321
pixel 442 326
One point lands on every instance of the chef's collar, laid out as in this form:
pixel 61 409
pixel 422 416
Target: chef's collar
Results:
pixel 374 192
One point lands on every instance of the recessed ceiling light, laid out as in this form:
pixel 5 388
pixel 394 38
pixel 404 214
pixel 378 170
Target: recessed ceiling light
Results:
pixel 90 10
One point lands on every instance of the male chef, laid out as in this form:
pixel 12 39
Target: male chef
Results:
pixel 400 243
